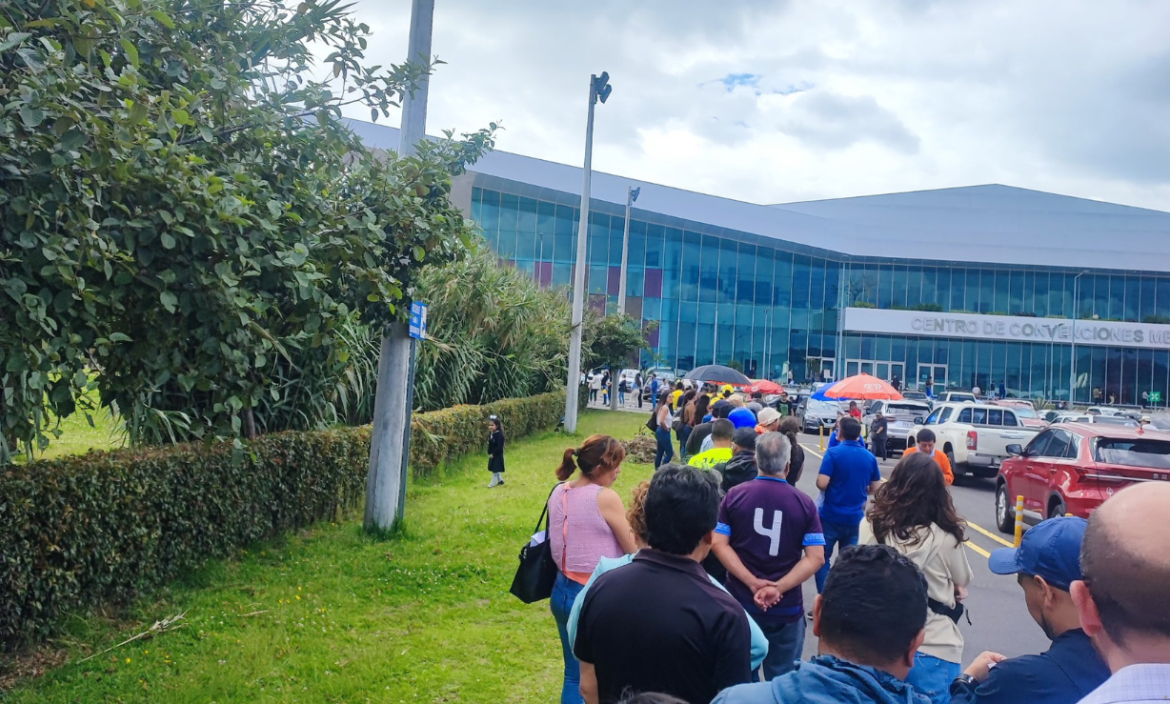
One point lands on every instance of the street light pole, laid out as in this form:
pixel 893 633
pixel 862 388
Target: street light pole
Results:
pixel 599 89
pixel 631 196
pixel 1072 377
pixel 390 431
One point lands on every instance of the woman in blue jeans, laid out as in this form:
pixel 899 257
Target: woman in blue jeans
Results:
pixel 665 451
pixel 586 523
pixel 913 513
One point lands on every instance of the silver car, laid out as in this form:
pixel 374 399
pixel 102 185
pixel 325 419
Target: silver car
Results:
pixel 901 416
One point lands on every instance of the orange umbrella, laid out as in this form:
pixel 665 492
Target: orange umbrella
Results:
pixel 862 387
pixel 764 386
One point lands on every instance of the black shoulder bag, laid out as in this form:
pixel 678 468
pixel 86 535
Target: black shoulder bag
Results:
pixel 538 569
pixel 953 614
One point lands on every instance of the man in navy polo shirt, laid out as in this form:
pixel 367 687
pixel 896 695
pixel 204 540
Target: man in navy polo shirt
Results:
pixel 769 539
pixel 1046 564
pixel 849 474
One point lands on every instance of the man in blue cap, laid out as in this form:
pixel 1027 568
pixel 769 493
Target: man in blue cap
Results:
pixel 1047 562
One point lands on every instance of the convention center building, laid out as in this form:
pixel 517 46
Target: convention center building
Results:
pixel 975 286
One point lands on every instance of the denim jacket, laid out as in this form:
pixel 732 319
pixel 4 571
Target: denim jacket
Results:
pixel 825 680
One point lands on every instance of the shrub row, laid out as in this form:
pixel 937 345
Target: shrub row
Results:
pixel 446 435
pixel 106 527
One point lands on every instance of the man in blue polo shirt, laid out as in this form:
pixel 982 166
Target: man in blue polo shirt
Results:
pixel 849 474
pixel 1047 562
pixel 769 539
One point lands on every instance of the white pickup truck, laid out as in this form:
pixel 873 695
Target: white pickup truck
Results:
pixel 974 436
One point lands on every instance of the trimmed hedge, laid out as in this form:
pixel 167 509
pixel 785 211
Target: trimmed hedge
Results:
pixel 106 527
pixel 446 435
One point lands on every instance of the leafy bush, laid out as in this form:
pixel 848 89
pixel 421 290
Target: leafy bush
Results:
pixel 109 526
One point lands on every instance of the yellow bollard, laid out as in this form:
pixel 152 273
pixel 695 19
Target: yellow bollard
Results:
pixel 1019 520
pixel 821 430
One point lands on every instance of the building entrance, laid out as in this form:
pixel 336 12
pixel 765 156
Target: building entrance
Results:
pixel 933 374
pixel 887 371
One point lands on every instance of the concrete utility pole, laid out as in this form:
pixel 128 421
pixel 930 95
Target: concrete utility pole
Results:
pixel 1072 366
pixel 599 89
pixel 390 442
pixel 631 197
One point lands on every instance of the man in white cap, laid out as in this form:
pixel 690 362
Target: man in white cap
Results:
pixel 768 421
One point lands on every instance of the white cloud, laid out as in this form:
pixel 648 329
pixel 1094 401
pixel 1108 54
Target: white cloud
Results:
pixel 777 101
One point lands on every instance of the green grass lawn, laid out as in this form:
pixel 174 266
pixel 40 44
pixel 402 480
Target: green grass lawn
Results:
pixel 78 436
pixel 331 615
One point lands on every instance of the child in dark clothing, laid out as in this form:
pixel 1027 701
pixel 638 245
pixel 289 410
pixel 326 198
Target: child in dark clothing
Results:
pixel 496 451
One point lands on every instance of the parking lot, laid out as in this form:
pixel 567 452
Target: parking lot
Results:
pixel 999 619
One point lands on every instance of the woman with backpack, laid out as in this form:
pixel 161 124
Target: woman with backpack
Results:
pixel 913 513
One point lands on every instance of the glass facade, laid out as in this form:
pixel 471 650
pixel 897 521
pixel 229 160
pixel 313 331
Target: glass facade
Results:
pixel 773 306
pixel 1027 370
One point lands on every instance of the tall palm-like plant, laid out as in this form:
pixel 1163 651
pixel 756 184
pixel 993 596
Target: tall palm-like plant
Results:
pixel 494 333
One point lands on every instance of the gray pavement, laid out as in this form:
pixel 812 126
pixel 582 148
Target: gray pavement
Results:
pixel 999 618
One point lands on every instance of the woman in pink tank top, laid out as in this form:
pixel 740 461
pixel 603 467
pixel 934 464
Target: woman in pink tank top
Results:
pixel 586 523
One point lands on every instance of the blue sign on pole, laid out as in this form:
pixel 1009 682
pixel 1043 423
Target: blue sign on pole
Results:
pixel 418 320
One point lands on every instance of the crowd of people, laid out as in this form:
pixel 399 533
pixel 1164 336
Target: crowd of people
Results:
pixel 694 593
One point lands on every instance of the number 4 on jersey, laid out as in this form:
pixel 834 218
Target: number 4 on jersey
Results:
pixel 772 533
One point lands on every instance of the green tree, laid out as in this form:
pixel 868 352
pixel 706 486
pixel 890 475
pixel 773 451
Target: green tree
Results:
pixel 183 210
pixel 612 341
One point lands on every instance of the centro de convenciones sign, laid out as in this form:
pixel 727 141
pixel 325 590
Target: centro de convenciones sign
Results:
pixel 1007 327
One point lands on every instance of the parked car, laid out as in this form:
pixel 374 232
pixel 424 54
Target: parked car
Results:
pixel 974 436
pixel 956 397
pixel 1075 467
pixel 665 376
pixel 1024 411
pixel 911 395
pixel 902 416
pixel 814 414
pixel 1102 411
pixel 1122 421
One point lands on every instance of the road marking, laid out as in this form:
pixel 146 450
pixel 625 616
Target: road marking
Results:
pixel 977 549
pixel 969 544
pixel 989 534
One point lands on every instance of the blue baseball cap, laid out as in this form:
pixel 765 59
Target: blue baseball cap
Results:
pixel 742 418
pixel 1052 550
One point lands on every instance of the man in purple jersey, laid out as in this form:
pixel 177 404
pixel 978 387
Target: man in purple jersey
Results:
pixel 769 538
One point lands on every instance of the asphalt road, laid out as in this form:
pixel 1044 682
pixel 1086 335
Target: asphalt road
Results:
pixel 999 618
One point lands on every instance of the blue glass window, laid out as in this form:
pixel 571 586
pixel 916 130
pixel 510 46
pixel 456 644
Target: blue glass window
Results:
pixel 526 230
pixel 745 274
pixel 565 249
pixel 509 215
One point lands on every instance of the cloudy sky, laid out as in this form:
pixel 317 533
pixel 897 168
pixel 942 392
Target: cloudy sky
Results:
pixel 774 101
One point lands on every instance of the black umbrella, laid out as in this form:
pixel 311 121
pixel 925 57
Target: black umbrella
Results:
pixel 718 374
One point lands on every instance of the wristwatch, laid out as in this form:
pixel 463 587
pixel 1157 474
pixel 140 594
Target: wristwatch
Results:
pixel 963 684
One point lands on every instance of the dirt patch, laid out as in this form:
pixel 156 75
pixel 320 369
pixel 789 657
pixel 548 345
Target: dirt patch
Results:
pixel 641 449
pixel 29 664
